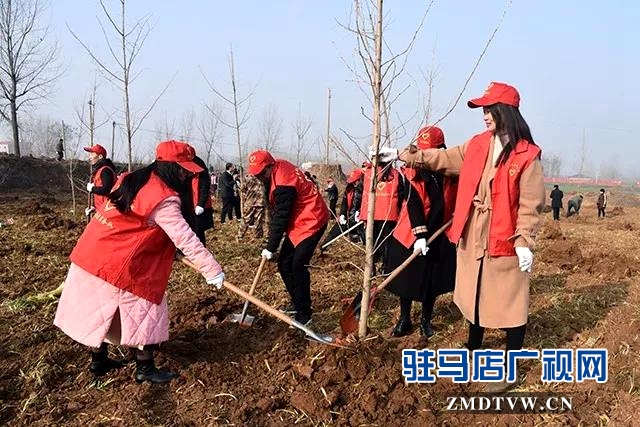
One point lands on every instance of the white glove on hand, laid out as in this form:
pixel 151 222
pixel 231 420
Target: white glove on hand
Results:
pixel 216 281
pixel 342 220
pixel 199 210
pixel 525 258
pixel 356 216
pixel 266 254
pixel 88 211
pixel 421 245
pixel 90 186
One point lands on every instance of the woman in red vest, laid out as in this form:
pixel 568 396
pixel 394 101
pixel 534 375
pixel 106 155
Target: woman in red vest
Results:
pixel 389 195
pixel 497 215
pixel 301 213
pixel 423 212
pixel 115 290
pixel 103 176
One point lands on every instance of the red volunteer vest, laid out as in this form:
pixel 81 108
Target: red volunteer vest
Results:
pixel 386 208
pixel 124 250
pixel 403 232
pixel 505 191
pixel 98 200
pixel 195 191
pixel 350 194
pixel 309 213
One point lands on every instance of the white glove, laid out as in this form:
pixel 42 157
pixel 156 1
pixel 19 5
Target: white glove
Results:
pixel 90 186
pixel 266 254
pixel 525 258
pixel 88 211
pixel 342 220
pixel 216 281
pixel 356 216
pixel 421 245
pixel 199 210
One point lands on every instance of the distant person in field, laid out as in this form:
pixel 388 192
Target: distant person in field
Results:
pixel 103 177
pixel 574 204
pixel 254 207
pixel 115 290
pixel 601 203
pixel 60 149
pixel 556 202
pixel 496 218
pixel 227 186
pixel 332 196
pixel 300 215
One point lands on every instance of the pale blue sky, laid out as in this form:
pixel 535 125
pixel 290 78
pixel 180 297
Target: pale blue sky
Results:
pixel 575 63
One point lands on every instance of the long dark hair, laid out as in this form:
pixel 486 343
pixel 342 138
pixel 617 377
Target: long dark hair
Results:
pixel 170 173
pixel 510 127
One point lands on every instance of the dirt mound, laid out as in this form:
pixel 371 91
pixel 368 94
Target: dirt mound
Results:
pixel 546 209
pixel 617 211
pixel 564 254
pixel 610 265
pixel 34 207
pixel 625 225
pixel 552 231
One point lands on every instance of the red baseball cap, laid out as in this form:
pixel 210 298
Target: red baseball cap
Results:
pixel 178 152
pixel 98 149
pixel 497 93
pixel 258 160
pixel 429 137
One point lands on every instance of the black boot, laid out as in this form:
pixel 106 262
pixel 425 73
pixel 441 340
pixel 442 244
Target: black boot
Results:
pixel 425 328
pixel 402 328
pixel 146 371
pixel 101 363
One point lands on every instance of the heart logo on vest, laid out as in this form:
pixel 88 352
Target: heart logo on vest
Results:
pixel 513 169
pixel 381 185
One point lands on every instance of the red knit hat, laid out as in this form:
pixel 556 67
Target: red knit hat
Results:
pixel 178 152
pixel 497 93
pixel 258 160
pixel 429 137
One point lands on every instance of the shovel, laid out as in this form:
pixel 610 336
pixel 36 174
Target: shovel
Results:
pixel 242 318
pixel 351 316
pixel 310 334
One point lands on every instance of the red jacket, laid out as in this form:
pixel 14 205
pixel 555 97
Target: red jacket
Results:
pixel 195 191
pixel 122 249
pixel 98 200
pixel 387 198
pixel 403 231
pixel 505 191
pixel 309 212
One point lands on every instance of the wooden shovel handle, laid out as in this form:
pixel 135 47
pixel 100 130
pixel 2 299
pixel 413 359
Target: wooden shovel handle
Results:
pixel 253 300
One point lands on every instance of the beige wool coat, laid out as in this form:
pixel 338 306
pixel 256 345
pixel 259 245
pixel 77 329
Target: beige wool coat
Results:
pixel 502 289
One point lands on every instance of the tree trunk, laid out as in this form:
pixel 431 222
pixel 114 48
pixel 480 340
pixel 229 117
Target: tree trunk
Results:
pixel 14 127
pixel 369 246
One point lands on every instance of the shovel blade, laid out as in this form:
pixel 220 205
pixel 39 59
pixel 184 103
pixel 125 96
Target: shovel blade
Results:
pixel 351 316
pixel 237 318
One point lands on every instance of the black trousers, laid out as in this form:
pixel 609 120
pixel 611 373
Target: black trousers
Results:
pixel 556 213
pixel 601 212
pixel 227 208
pixel 293 267
pixel 236 208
